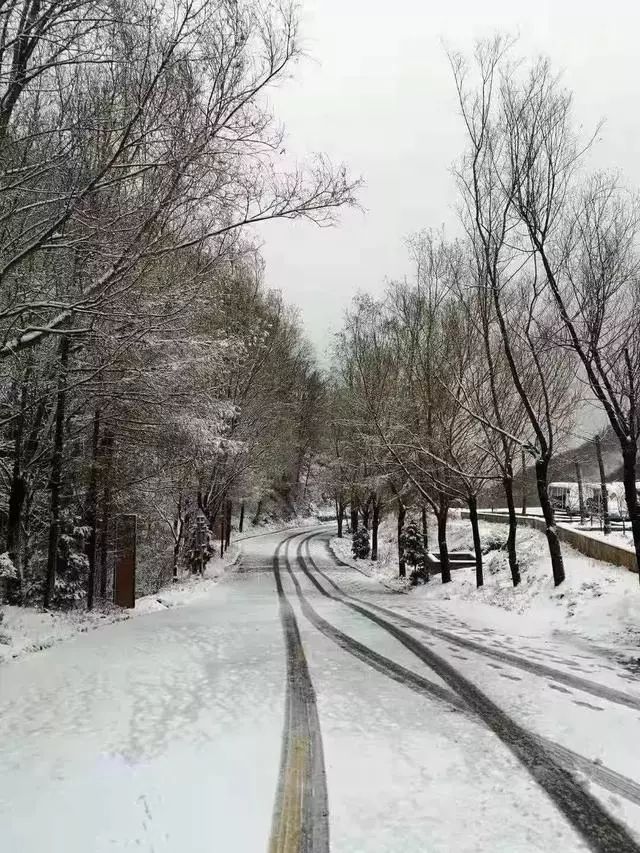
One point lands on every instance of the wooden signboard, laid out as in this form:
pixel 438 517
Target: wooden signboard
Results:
pixel 124 587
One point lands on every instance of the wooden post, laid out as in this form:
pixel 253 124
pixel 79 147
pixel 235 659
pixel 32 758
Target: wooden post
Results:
pixel 124 581
pixel 92 509
pixel 524 483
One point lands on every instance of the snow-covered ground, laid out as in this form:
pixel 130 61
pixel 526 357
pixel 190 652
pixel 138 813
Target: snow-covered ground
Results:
pixel 30 629
pixel 165 732
pixel 598 602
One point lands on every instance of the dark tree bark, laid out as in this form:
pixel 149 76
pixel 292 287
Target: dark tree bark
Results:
pixel 604 494
pixel 17 489
pixel 507 484
pixel 425 529
pixel 223 532
pixel 557 564
pixel 339 516
pixel 55 482
pixel 366 512
pixel 524 484
pixel 241 519
pixel 354 516
pixel 256 517
pixel 91 515
pixel 178 531
pixel 227 523
pixel 402 512
pixel 445 566
pixel 472 501
pixel 374 529
pixel 629 457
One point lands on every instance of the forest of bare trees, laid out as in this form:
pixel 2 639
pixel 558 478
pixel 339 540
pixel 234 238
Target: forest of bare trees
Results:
pixel 146 367
pixel 483 355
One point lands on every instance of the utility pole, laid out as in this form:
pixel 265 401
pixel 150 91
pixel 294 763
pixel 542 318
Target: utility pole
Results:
pixel 580 492
pixel 606 522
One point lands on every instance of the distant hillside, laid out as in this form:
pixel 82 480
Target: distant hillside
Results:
pixel 563 468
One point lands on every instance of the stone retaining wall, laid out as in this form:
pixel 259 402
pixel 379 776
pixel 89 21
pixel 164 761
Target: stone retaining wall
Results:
pixel 598 549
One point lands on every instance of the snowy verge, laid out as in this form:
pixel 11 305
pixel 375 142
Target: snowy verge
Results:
pixel 384 570
pixel 28 629
pixel 598 602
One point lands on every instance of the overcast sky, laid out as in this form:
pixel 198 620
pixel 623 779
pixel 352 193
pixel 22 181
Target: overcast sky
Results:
pixel 377 94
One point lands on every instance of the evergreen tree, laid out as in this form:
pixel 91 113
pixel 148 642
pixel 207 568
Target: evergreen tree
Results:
pixel 414 553
pixel 360 543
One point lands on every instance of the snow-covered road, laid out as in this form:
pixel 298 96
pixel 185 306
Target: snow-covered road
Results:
pixel 304 707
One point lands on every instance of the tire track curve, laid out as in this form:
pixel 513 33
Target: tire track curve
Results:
pixel 604 776
pixel 600 831
pixel 619 697
pixel 301 812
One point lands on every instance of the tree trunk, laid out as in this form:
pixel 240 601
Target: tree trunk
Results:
pixel 256 517
pixel 178 527
pixel 583 512
pixel 374 530
pixel 17 494
pixel 339 516
pixel 241 520
pixel 17 489
pixel 507 483
pixel 354 517
pixel 222 534
pixel 629 463
pixel 604 494
pixel 445 566
pixel 472 501
pixel 55 482
pixel 227 528
pixel 92 509
pixel 555 552
pixel 425 529
pixel 524 485
pixel 306 481
pixel 366 514
pixel 402 512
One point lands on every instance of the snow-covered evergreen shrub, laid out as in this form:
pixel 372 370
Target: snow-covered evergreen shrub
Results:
pixel 7 569
pixel 360 543
pixel 71 579
pixel 415 554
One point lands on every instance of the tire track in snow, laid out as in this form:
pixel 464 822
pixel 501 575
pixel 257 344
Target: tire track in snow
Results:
pixel 379 662
pixel 301 815
pixel 609 779
pixel 619 697
pixel 600 831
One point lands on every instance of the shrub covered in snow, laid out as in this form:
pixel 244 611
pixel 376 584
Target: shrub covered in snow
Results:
pixel 415 554
pixel 360 543
pixel 7 569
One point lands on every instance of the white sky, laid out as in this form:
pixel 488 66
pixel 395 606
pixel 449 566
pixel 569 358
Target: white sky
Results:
pixel 377 94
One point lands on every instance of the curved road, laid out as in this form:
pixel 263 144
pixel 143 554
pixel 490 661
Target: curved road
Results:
pixel 304 708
